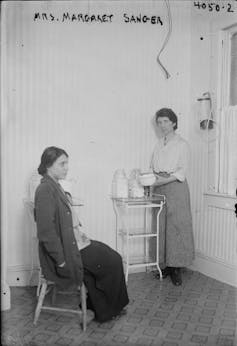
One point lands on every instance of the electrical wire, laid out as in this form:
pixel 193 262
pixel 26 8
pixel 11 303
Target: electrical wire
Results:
pixel 167 75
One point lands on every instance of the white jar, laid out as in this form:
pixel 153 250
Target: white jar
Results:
pixel 120 184
pixel 136 190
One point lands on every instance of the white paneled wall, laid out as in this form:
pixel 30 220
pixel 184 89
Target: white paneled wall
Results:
pixel 216 243
pixel 91 89
pixel 222 234
pixel 213 215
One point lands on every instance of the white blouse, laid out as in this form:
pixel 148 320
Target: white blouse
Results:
pixel 171 158
pixel 81 238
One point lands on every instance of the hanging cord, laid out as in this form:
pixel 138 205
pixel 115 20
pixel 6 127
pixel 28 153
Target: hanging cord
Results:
pixel 167 75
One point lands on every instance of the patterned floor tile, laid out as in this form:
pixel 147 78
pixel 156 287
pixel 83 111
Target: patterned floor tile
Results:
pixel 175 335
pixel 179 326
pixel 201 312
pixel 63 341
pixel 156 323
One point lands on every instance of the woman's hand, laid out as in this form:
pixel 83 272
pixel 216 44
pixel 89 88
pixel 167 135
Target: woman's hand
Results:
pixel 62 265
pixel 160 180
pixel 63 270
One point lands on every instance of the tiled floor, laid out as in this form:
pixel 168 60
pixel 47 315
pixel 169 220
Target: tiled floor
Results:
pixel 202 312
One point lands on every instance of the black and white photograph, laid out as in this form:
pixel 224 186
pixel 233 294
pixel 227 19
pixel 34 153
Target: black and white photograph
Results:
pixel 118 172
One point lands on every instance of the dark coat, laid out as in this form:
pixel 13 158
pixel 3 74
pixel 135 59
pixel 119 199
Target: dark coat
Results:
pixel 57 243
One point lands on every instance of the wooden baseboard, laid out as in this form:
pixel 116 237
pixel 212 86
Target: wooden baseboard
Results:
pixel 22 276
pixel 216 269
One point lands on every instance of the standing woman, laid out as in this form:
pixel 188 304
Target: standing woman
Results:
pixel 169 163
pixel 67 255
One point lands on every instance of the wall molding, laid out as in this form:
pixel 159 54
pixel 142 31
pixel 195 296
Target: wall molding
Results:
pixel 216 269
pixel 22 275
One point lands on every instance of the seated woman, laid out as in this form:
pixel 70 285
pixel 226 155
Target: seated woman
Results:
pixel 67 256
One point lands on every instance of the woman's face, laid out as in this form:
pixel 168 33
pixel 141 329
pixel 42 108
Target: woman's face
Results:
pixel 59 168
pixel 165 125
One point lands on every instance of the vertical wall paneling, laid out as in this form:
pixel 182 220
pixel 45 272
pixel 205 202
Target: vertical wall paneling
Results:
pixel 214 223
pixel 92 89
pixel 217 246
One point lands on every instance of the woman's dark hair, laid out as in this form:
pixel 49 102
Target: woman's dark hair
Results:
pixel 167 112
pixel 48 157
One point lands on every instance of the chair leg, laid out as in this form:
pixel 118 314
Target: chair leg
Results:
pixel 38 289
pixel 40 302
pixel 83 306
pixel 39 283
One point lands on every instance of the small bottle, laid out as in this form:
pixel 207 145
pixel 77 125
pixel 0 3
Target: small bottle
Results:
pixel 120 184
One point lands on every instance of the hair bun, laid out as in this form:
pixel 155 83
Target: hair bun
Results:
pixel 41 169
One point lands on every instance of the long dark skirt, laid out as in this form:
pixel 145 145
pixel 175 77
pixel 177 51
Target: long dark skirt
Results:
pixel 176 248
pixel 104 279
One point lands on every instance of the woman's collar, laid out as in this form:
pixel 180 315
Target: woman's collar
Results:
pixel 57 186
pixel 170 140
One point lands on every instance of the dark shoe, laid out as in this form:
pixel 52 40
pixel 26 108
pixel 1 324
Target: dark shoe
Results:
pixel 175 275
pixel 122 313
pixel 165 272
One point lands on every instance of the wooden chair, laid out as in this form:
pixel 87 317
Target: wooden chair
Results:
pixel 45 286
